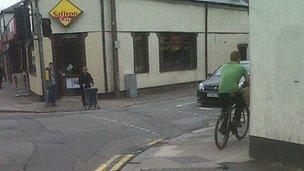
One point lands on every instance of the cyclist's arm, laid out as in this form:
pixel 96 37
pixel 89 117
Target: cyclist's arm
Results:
pixel 247 79
pixel 246 76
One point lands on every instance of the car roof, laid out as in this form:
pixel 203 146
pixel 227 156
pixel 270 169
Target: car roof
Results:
pixel 245 62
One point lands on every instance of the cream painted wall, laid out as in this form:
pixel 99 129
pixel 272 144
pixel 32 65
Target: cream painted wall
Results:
pixel 147 15
pixel 220 46
pixel 155 78
pixel 150 16
pixel 94 59
pixel 35 80
pixel 89 21
pixel 277 39
pixel 228 20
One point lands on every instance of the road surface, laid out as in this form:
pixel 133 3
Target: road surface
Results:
pixel 82 141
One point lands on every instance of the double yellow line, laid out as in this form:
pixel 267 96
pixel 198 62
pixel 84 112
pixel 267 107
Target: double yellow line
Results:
pixel 117 162
pixel 121 163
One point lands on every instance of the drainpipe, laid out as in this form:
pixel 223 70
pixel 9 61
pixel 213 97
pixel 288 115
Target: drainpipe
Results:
pixel 206 40
pixel 104 53
pixel 115 49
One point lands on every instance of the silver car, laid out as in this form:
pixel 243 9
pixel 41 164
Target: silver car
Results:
pixel 207 91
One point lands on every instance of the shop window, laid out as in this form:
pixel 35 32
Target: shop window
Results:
pixel 177 51
pixel 141 52
pixel 242 48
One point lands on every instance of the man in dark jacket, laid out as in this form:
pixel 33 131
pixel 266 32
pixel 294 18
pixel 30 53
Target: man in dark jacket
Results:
pixel 85 81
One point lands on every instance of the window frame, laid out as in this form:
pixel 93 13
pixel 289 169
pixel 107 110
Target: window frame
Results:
pixel 32 60
pixel 192 43
pixel 242 46
pixel 147 50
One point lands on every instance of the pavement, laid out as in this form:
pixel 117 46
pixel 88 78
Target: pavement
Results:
pixel 30 104
pixel 196 151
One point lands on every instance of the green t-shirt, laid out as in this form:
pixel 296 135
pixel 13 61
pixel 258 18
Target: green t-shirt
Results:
pixel 231 74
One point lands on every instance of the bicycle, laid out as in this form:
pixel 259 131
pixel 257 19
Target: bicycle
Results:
pixel 244 121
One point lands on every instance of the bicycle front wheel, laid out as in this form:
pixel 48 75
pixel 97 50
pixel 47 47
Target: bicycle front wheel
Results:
pixel 242 130
pixel 222 131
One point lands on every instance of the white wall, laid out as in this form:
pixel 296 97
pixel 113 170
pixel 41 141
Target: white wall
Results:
pixel 35 80
pixel 147 15
pixel 155 77
pixel 228 27
pixel 233 20
pixel 277 38
pixel 153 16
pixel 94 59
pixel 220 46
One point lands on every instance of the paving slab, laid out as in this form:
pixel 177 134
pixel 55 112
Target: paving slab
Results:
pixel 197 151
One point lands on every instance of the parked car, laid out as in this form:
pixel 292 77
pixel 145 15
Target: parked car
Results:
pixel 207 91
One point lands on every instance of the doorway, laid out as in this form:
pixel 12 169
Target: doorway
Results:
pixel 69 58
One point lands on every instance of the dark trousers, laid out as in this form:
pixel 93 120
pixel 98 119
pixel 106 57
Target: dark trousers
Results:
pixel 82 97
pixel 52 94
pixel 229 99
pixel 1 83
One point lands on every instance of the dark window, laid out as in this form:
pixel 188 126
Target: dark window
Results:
pixel 141 52
pixel 177 51
pixel 242 48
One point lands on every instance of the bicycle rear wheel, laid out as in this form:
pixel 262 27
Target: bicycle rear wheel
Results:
pixel 245 120
pixel 221 137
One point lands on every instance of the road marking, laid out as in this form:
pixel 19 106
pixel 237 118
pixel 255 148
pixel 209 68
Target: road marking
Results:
pixel 155 142
pixel 185 104
pixel 205 108
pixel 105 165
pixel 122 162
pixel 126 124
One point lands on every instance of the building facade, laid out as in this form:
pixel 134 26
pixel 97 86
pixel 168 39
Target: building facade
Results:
pixel 15 35
pixel 277 36
pixel 162 42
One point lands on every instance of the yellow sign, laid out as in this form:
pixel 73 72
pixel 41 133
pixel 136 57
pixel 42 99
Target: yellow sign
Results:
pixel 65 12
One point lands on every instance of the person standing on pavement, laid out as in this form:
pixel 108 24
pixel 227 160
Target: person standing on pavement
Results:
pixel 51 82
pixel 85 81
pixel 2 76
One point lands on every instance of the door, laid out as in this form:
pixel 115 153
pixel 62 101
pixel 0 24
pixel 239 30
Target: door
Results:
pixel 69 58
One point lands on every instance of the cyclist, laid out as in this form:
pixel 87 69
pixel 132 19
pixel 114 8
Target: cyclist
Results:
pixel 231 74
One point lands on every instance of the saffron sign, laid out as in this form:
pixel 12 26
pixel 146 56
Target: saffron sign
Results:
pixel 65 12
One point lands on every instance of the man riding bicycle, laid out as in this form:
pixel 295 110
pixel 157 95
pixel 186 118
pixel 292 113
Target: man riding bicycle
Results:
pixel 231 74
